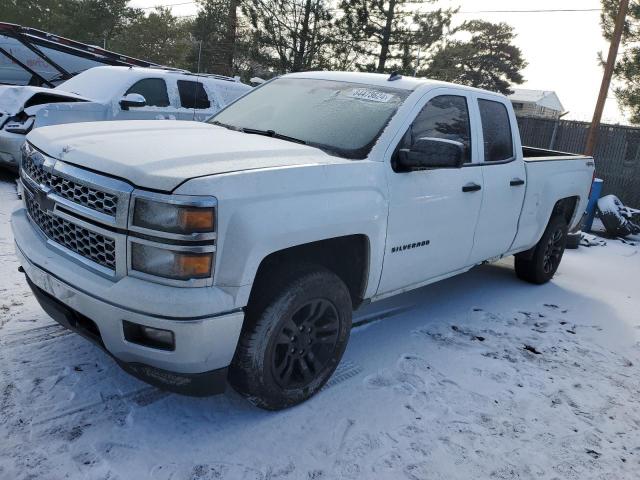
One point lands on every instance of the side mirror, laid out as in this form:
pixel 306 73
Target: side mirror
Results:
pixel 132 100
pixel 431 152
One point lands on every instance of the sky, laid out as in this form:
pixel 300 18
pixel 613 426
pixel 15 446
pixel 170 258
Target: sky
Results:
pixel 561 48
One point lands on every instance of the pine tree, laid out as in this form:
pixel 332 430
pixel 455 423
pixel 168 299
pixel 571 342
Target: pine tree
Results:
pixel 488 59
pixel 215 37
pixel 292 35
pixel 159 37
pixel 627 70
pixel 388 34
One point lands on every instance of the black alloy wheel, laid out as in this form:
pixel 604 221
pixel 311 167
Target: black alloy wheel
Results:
pixel 305 344
pixel 296 329
pixel 539 264
pixel 553 251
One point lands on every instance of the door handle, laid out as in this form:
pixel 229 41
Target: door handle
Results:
pixel 516 182
pixel 471 187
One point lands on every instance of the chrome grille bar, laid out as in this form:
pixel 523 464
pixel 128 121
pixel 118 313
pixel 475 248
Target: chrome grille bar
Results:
pixel 71 190
pixel 91 245
pixel 82 214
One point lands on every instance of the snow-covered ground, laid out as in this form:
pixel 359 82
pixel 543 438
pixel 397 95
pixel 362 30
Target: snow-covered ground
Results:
pixel 480 376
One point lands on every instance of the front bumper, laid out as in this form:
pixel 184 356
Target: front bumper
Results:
pixel 204 344
pixel 10 144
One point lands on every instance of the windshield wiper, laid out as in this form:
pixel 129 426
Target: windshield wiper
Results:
pixel 272 134
pixel 224 125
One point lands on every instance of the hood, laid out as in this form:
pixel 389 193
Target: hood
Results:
pixel 161 154
pixel 15 99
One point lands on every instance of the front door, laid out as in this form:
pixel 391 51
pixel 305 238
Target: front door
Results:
pixel 504 181
pixel 158 106
pixel 432 213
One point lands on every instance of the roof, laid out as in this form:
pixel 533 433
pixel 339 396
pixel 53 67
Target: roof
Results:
pixel 103 83
pixel 140 72
pixel 544 98
pixel 382 80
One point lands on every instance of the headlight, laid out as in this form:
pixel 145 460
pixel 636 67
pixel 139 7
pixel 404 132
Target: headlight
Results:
pixel 19 125
pixel 179 218
pixel 169 263
pixel 164 231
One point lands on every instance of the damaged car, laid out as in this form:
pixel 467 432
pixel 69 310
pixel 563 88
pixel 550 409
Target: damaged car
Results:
pixel 111 93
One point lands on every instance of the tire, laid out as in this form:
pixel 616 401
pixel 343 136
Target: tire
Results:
pixel 540 264
pixel 293 339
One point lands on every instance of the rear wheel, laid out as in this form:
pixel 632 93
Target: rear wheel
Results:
pixel 293 342
pixel 540 264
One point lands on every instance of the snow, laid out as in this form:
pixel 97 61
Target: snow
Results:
pixel 437 384
pixel 12 98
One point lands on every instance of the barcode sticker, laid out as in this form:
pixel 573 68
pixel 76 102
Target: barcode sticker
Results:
pixel 371 95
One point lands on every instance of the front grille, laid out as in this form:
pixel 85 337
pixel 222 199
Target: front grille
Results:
pixel 73 191
pixel 91 245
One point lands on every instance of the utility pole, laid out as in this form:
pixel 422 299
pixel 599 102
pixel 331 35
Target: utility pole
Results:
pixel 230 37
pixel 606 79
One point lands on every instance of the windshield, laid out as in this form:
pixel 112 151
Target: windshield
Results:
pixel 13 73
pixel 101 83
pixel 341 118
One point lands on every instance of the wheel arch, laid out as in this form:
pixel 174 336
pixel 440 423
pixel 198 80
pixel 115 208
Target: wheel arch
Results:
pixel 566 208
pixel 346 256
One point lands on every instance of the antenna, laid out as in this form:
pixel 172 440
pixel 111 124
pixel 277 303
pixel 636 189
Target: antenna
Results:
pixel 199 55
pixel 195 86
pixel 394 76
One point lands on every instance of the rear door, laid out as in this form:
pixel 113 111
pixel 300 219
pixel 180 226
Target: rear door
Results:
pixel 196 102
pixel 504 178
pixel 432 213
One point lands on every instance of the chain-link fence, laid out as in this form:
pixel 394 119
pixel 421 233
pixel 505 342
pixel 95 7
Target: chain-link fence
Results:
pixel 617 154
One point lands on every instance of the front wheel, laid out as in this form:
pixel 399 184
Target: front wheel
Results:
pixel 540 264
pixel 291 346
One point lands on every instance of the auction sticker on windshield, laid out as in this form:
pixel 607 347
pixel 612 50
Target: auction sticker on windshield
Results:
pixel 370 94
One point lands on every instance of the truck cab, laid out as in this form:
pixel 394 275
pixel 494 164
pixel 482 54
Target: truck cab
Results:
pixel 236 249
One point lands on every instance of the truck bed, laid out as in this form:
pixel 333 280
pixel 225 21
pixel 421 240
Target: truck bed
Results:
pixel 532 154
pixel 550 176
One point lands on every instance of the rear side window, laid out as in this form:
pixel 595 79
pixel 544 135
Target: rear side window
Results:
pixel 496 128
pixel 192 95
pixel 446 117
pixel 154 91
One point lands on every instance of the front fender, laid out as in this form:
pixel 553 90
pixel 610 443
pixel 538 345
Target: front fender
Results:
pixel 264 211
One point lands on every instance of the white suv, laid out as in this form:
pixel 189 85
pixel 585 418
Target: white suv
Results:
pixel 111 93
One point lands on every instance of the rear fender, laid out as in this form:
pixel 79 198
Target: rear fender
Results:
pixel 547 184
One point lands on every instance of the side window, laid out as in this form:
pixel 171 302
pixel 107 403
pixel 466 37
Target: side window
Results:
pixel 192 95
pixel 496 128
pixel 154 91
pixel 446 117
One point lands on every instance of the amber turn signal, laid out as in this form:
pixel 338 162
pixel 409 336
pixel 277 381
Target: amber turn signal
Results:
pixel 193 265
pixel 197 219
pixel 172 264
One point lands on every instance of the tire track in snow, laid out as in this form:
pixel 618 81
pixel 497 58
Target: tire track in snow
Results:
pixel 140 397
pixel 35 335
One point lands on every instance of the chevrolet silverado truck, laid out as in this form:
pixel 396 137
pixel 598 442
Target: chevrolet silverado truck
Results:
pixel 236 250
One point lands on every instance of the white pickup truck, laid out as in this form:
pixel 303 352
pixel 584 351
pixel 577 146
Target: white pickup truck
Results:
pixel 237 249
pixel 111 93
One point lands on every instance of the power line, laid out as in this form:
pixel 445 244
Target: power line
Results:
pixel 167 5
pixel 549 10
pixel 539 10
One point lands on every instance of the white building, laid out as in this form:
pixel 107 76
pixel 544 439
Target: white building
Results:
pixel 536 103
